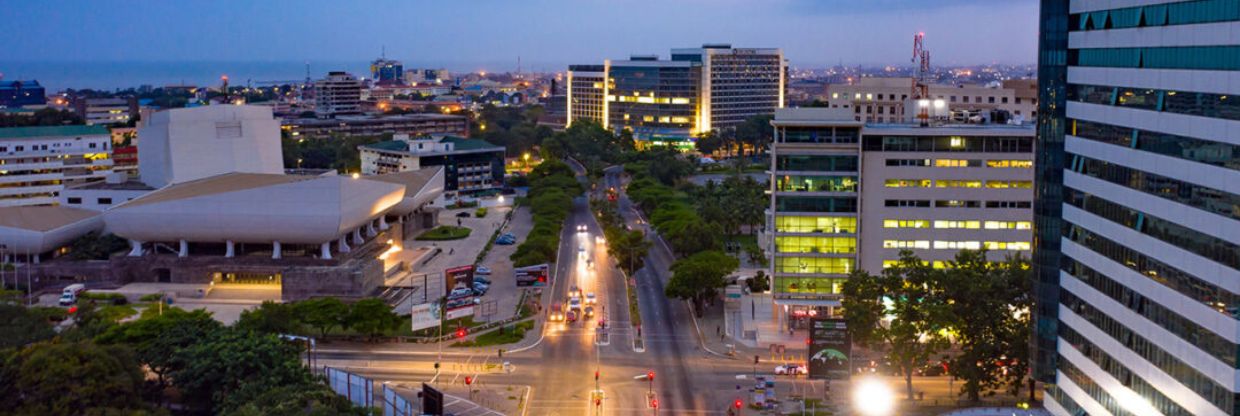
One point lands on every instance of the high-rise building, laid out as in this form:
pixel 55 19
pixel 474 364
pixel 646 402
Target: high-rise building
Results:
pixel 1137 257
pixel 16 94
pixel 672 101
pixel 37 163
pixel 387 72
pixel 338 94
pixel 847 194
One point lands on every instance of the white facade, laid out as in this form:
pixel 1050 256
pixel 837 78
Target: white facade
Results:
pixel 36 163
pixel 339 93
pixel 884 100
pixel 28 232
pixel 192 143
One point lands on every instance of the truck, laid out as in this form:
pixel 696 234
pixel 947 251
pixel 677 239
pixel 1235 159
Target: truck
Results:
pixel 70 294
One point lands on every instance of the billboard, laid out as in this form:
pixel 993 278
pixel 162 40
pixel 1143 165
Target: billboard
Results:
pixel 458 277
pixel 532 276
pixel 460 284
pixel 432 401
pixel 830 349
pixel 425 315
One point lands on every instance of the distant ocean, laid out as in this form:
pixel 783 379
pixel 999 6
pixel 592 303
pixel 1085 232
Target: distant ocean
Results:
pixel 56 76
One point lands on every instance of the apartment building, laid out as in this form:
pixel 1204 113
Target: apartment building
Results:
pixel 1137 261
pixel 848 195
pixel 106 111
pixel 36 163
pixel 470 165
pixel 887 100
pixel 338 94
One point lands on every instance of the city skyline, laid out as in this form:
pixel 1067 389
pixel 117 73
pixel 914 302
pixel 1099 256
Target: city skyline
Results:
pixel 547 35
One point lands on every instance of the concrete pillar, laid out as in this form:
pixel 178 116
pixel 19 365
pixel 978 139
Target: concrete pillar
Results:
pixel 325 251
pixel 342 245
pixel 275 250
pixel 370 229
pixel 230 249
pixel 357 237
pixel 184 252
pixel 383 225
pixel 135 248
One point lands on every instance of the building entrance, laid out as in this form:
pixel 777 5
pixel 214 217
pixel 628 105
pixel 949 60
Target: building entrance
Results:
pixel 246 278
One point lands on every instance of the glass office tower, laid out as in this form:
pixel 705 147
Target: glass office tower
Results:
pixel 1137 246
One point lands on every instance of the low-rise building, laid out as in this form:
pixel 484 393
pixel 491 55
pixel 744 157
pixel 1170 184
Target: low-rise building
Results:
pixel 18 94
pixel 846 195
pixel 885 100
pixel 106 111
pixel 37 163
pixel 410 124
pixel 470 164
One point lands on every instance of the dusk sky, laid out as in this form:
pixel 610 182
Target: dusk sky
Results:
pixel 490 34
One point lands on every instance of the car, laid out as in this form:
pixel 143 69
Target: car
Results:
pixel 482 270
pixel 506 240
pixel 460 292
pixel 581 252
pixel 574 304
pixel 589 312
pixel 570 316
pixel 481 288
pixel 591 299
pixel 600 240
pixel 482 279
pixel 590 264
pixel 463 214
pixel 581 228
pixel 556 312
pixel 791 370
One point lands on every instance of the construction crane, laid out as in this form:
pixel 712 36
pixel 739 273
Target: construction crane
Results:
pixel 921 87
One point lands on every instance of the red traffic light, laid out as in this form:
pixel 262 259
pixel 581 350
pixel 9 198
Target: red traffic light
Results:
pixel 808 341
pixel 595 375
pixel 738 403
pixel 460 333
pixel 469 380
pixel 650 375
pixel 654 403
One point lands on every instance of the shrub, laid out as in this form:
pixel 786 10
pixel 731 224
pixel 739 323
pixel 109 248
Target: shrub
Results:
pixel 480 212
pixel 445 232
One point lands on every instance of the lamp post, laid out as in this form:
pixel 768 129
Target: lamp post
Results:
pixel 872 397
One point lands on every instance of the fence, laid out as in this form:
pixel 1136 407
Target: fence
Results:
pixel 396 405
pixel 359 390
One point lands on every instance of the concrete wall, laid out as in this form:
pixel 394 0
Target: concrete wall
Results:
pixel 192 143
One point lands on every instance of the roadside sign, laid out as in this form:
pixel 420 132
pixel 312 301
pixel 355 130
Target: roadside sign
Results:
pixel 424 315
pixel 537 275
pixel 830 349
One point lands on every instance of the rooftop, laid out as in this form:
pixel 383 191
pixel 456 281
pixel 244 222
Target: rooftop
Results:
pixel 459 144
pixel 370 119
pixel 128 185
pixel 42 218
pixel 51 131
pixel 228 182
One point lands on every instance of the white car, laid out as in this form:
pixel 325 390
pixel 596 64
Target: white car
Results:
pixel 600 240
pixel 791 369
pixel 574 304
pixel 591 299
pixel 581 228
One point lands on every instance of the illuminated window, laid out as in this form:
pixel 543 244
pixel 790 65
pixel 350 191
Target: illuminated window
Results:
pixel 680 101
pixel 665 119
pixel 835 95
pixel 921 244
pixel 808 224
pixel 647 118
pixel 937 264
pixel 970 225
pixel 1009 184
pixel 645 100
pixel 908 183
pixel 1006 245
pixel 958 184
pixel 1008 225
pixel 957 141
pixel 906 224
pixel 824 245
pixel 626 117
pixel 951 163
pixel 957 245
pixel 813 265
pixel 1021 164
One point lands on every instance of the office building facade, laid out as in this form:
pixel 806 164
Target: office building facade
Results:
pixel 18 94
pixel 106 111
pixel 417 124
pixel 847 195
pixel 470 165
pixel 1137 261
pixel 338 94
pixel 37 163
pixel 672 101
pixel 887 100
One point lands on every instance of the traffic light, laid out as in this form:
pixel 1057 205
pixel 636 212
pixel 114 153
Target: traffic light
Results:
pixel 755 359
pixel 501 353
pixel 460 332
pixel 650 375
pixel 738 403
pixel 654 403
pixel 595 375
pixel 469 380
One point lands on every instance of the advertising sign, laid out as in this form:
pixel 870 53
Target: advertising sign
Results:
pixel 458 277
pixel 830 349
pixel 532 276
pixel 425 315
pixel 460 283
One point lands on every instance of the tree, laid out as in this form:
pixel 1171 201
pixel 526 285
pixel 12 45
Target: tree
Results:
pixel 372 317
pixel 629 248
pixel 71 378
pixel 270 318
pixel 756 131
pixel 303 398
pixel 20 326
pixel 699 277
pixel 321 313
pixel 760 283
pixel 96 246
pixel 157 338
pixel 900 312
pixel 989 311
pixel 708 143
pixel 209 372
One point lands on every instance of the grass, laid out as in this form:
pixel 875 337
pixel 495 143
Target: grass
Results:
pixel 500 336
pixel 480 212
pixel 115 313
pixel 445 232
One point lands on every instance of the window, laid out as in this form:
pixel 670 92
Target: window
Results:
pixel 816 163
pixel 815 224
pixel 1008 225
pixel 813 265
pixel 957 245
pixel 964 224
pixel 913 244
pixel 228 130
pixel 957 163
pixel 1005 100
pixel 1006 245
pixel 1009 184
pixel 803 183
pixel 906 224
pixel 1020 164
pixel 957 184
pixel 822 245
pixel 966 98
pixel 1182 147
pixel 908 162
pixel 907 183
pixel 812 204
pixel 990 100
pixel 956 204
pixel 910 203
pixel 104 201
pixel 73 200
pixel 1009 204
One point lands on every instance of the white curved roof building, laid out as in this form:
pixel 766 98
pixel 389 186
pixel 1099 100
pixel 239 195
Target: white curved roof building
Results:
pixel 32 230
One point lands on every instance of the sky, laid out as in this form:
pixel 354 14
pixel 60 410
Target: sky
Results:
pixel 492 34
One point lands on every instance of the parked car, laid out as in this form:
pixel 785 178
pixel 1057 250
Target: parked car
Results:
pixel 481 270
pixel 459 292
pixel 482 279
pixel 463 214
pixel 481 288
pixel 791 370
pixel 506 239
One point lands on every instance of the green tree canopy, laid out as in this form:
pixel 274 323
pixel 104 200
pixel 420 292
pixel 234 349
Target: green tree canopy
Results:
pixel 990 314
pixel 372 317
pixel 20 326
pixel 699 277
pixel 209 372
pixel 270 318
pixel 322 314
pixel 157 338
pixel 71 378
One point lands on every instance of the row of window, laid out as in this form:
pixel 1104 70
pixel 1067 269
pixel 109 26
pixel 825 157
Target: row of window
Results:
pixel 1205 245
pixel 1177 324
pixel 954 203
pixel 815 204
pixel 956 183
pixel 817 163
pixel 948 144
pixel 78 201
pixel 962 224
pixel 1192 149
pixel 819 134
pixel 1166 14
pixel 958 245
pixel 808 285
pixel 814 265
pixel 821 245
pixel 806 183
pixel 1202 104
pixel 1092 388
pixel 1151 397
pixel 1151 352
pixel 815 224
pixel 53 146
pixel 1216 58
pixel 892 97
pixel 1201 197
pixel 1064 400
pixel 962 163
pixel 1207 293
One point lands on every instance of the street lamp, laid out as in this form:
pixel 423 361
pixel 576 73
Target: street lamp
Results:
pixel 872 397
